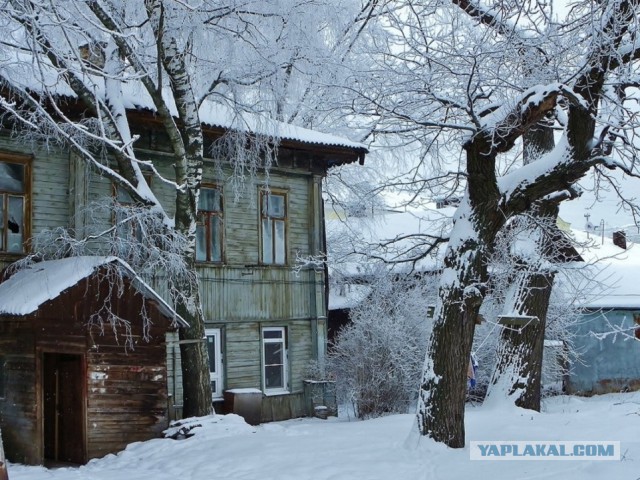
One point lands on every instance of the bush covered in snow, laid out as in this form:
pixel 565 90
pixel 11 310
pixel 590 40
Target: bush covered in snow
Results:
pixel 378 357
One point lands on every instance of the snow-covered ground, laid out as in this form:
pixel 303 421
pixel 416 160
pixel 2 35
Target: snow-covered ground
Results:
pixel 386 448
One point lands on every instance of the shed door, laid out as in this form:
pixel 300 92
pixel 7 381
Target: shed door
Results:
pixel 63 407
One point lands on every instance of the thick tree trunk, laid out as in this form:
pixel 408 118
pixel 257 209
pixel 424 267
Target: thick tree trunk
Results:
pixel 196 386
pixel 187 143
pixel 444 383
pixel 518 373
pixel 443 387
pixel 194 356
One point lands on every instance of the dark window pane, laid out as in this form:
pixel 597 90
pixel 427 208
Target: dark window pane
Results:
pixel 123 226
pixel 273 377
pixel 123 197
pixel 267 241
pixel 273 354
pixel 276 206
pixel 12 177
pixel 2 376
pixel 2 200
pixel 216 237
pixel 280 255
pixel 201 243
pixel 210 200
pixel 211 347
pixel 272 333
pixel 15 224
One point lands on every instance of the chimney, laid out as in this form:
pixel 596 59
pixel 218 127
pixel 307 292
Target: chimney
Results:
pixel 620 239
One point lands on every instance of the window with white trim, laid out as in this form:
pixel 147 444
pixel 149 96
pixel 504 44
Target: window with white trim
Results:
pixel 215 361
pixel 13 204
pixel 209 228
pixel 273 227
pixel 274 360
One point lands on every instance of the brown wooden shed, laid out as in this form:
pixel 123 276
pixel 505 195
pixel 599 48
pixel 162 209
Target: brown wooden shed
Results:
pixel 82 374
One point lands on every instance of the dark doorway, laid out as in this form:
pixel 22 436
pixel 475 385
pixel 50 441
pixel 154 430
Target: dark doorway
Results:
pixel 63 407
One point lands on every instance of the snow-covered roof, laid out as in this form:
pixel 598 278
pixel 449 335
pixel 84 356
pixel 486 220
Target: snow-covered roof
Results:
pixel 27 289
pixel 613 273
pixel 216 115
pixel 347 296
pixel 135 97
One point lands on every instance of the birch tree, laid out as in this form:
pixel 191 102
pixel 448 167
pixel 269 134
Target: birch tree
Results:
pixel 453 74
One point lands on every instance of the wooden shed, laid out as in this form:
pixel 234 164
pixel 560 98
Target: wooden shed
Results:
pixel 82 369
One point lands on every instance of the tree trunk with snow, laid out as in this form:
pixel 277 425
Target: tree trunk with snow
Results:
pixel 518 371
pixel 196 384
pixel 444 382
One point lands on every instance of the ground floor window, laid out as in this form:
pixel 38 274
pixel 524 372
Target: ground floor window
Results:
pixel 274 360
pixel 215 361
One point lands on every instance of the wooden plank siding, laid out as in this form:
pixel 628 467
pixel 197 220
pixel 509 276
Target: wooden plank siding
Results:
pixel 18 408
pixel 127 400
pixel 174 370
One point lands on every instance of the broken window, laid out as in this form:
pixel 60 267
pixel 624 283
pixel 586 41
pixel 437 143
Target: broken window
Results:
pixel 13 195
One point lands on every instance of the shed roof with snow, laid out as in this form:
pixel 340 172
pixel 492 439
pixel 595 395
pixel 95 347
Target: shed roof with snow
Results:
pixel 27 289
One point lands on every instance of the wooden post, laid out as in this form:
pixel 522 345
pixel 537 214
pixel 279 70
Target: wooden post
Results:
pixel 4 475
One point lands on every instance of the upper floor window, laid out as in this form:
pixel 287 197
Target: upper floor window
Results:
pixel 128 220
pixel 13 196
pixel 209 228
pixel 273 227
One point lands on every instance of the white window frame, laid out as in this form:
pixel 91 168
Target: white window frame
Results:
pixel 218 375
pixel 285 360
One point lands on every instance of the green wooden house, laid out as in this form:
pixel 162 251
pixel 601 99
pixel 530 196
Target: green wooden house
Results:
pixel 265 321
